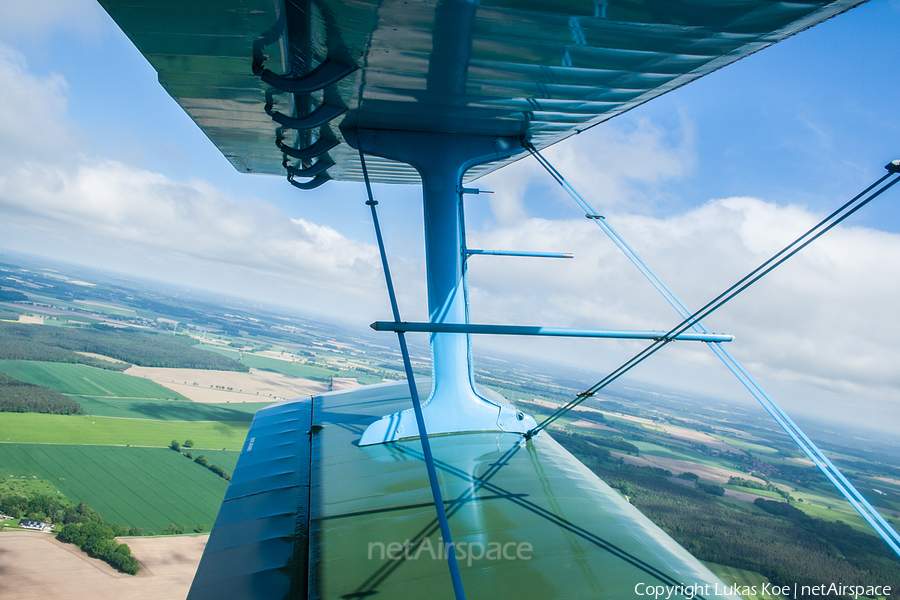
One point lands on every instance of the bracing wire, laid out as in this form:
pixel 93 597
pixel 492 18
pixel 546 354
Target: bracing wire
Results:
pixel 790 250
pixel 872 516
pixel 455 577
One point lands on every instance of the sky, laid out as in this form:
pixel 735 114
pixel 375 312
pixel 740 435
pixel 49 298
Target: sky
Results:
pixel 98 166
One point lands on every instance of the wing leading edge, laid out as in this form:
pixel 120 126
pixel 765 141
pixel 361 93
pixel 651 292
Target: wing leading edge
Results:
pixel 258 547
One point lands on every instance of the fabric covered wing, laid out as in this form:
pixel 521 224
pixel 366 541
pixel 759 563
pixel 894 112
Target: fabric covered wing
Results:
pixel 258 547
pixel 555 529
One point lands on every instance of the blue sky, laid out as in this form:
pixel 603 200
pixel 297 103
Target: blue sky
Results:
pixel 99 166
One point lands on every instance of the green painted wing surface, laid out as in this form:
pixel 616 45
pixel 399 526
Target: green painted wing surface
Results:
pixel 540 69
pixel 529 520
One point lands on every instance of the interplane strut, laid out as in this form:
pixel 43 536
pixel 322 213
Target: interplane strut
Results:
pixel 458 590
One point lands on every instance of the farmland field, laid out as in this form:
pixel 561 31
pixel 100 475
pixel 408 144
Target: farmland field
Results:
pixel 201 385
pixel 37 567
pixel 279 366
pixel 746 446
pixel 734 576
pixel 820 506
pixel 166 410
pixel 82 380
pixel 64 429
pixel 672 453
pixel 136 487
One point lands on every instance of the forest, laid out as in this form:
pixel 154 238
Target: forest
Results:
pixel 12 296
pixel 17 396
pixel 79 525
pixel 779 541
pixel 62 344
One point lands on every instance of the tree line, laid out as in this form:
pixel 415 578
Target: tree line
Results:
pixel 200 460
pixel 80 525
pixel 18 396
pixel 772 538
pixel 146 349
pixel 858 548
pixel 97 540
pixel 12 296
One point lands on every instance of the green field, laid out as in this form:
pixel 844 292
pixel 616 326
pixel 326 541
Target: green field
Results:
pixel 740 577
pixel 167 410
pixel 63 429
pixel 279 366
pixel 82 380
pixel 106 309
pixel 748 490
pixel 686 455
pixel 136 487
pixel 745 445
pixel 817 505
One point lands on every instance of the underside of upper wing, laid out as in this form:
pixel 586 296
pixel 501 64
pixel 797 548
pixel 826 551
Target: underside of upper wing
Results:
pixel 540 70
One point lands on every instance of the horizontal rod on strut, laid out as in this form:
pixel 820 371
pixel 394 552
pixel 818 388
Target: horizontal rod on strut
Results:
pixel 472 328
pixel 517 253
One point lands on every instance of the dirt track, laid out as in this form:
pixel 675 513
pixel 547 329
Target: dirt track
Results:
pixel 34 566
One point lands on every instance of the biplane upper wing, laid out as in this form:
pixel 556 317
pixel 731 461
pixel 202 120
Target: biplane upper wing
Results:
pixel 543 70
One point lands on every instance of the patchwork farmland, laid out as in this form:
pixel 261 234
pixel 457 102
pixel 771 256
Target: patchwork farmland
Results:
pixel 116 456
pixel 63 429
pixel 82 380
pixel 135 487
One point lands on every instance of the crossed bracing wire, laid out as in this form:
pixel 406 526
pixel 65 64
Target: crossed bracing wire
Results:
pixel 692 320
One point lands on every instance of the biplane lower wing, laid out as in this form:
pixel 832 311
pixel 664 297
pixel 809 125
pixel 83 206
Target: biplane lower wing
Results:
pixel 310 513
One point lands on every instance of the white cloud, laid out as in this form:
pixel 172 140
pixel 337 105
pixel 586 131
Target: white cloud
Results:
pixel 129 205
pixel 30 107
pixel 57 201
pixel 619 160
pixel 825 319
pixel 622 163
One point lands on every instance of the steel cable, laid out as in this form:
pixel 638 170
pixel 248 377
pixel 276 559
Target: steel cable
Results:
pixel 856 499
